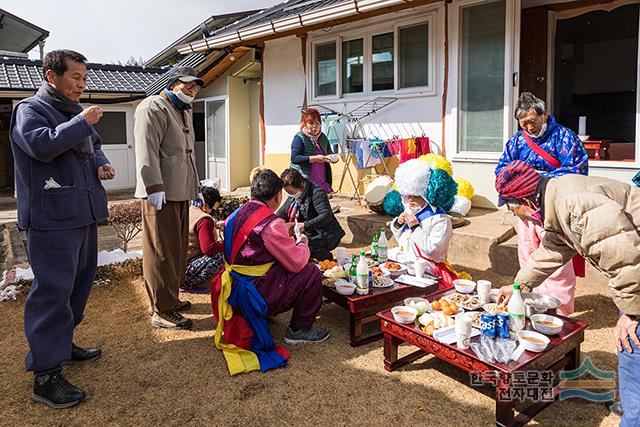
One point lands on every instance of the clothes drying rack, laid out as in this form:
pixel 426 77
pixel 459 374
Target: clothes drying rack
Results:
pixel 355 130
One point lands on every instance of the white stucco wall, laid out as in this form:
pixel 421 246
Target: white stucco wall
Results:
pixel 284 87
pixel 284 80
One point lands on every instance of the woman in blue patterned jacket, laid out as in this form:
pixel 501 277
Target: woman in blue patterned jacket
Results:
pixel 553 150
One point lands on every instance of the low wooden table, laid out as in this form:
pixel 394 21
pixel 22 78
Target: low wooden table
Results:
pixel 563 352
pixel 362 309
pixel 597 145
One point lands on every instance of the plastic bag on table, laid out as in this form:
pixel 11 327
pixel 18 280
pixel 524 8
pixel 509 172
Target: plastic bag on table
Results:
pixel 504 350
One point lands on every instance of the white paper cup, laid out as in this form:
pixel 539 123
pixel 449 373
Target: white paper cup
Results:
pixel 341 255
pixel 484 291
pixel 463 328
pixel 420 266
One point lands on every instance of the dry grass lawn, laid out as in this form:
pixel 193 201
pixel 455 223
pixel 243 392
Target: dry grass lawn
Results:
pixel 154 377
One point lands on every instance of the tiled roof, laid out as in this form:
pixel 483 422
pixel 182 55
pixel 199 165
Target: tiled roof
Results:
pixel 22 74
pixel 279 11
pixel 192 61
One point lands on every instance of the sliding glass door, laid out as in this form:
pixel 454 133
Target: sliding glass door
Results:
pixel 486 86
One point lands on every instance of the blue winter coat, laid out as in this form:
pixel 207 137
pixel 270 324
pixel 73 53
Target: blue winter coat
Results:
pixel 42 139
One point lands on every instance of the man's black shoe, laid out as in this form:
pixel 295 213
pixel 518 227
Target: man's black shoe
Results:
pixel 81 355
pixel 55 391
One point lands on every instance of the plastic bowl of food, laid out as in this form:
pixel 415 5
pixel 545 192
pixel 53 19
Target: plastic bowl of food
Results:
pixel 533 341
pixel 420 304
pixel 548 325
pixel 583 138
pixel 404 314
pixel 464 286
pixel 345 288
pixel 333 158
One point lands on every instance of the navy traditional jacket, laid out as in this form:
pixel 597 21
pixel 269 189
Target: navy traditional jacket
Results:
pixel 42 139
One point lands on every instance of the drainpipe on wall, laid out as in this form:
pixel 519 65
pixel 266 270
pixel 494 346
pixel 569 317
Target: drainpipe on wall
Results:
pixel 303 45
pixel 445 89
pixel 41 45
pixel 263 135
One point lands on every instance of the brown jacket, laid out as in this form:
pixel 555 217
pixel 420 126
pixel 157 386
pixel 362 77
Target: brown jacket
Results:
pixel 165 150
pixel 600 219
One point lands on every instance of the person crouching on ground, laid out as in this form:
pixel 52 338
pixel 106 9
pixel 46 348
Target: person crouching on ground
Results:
pixel 308 205
pixel 424 229
pixel 56 147
pixel 267 272
pixel 206 256
pixel 599 218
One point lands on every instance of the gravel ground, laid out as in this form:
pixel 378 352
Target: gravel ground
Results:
pixel 153 377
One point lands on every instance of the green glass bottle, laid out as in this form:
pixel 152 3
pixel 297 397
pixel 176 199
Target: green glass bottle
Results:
pixel 352 270
pixel 374 246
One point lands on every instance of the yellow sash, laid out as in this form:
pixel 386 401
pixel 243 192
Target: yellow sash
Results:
pixel 461 275
pixel 238 359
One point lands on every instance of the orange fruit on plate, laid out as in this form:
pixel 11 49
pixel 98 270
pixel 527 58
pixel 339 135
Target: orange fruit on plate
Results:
pixel 435 305
pixel 447 311
pixel 454 308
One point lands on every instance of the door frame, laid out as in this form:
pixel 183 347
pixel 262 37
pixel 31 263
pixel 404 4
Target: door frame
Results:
pixel 551 49
pixel 206 100
pixel 511 75
pixel 129 110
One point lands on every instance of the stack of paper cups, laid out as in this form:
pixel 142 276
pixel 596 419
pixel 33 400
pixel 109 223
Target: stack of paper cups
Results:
pixel 484 291
pixel 463 330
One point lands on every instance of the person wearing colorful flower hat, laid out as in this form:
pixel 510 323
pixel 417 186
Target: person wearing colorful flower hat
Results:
pixel 424 229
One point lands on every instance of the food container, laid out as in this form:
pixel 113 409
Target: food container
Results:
pixel 548 325
pixel 333 158
pixel 539 304
pixel 420 304
pixel 345 288
pixel 464 286
pixel 533 341
pixel 404 314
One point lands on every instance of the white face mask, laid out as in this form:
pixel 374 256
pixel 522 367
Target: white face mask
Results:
pixel 542 130
pixel 408 208
pixel 184 97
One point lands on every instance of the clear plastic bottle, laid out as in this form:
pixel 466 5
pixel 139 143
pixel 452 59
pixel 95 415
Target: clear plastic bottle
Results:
pixel 516 310
pixel 383 245
pixel 362 276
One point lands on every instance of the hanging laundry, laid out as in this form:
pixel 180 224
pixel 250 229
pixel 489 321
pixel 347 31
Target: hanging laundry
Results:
pixel 412 148
pixel 422 146
pixel 335 128
pixel 365 156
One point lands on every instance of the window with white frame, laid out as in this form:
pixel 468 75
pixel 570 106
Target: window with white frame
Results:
pixel 326 68
pixel 385 58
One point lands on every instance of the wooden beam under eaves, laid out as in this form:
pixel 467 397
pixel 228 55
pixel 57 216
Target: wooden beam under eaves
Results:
pixel 226 63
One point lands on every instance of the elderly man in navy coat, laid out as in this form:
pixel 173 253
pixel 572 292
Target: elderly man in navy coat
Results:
pixel 58 168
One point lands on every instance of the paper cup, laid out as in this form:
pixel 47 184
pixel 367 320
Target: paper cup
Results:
pixel 463 328
pixel 484 291
pixel 341 255
pixel 420 266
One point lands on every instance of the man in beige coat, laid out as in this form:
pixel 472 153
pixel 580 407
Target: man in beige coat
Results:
pixel 168 180
pixel 599 218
